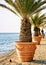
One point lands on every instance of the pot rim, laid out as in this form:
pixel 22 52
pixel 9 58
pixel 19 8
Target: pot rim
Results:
pixel 17 42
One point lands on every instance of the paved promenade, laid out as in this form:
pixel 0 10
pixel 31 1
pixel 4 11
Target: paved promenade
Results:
pixel 39 57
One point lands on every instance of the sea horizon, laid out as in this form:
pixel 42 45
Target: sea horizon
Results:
pixel 8 32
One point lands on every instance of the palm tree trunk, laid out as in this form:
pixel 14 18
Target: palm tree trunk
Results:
pixel 43 33
pixel 36 30
pixel 25 31
pixel 39 31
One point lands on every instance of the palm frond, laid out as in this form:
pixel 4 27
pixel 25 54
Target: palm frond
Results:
pixel 29 5
pixel 41 3
pixel 4 6
pixel 38 19
pixel 33 20
pixel 26 7
pixel 41 16
pixel 42 19
pixel 37 5
pixel 19 6
pixel 42 24
pixel 15 6
pixel 40 9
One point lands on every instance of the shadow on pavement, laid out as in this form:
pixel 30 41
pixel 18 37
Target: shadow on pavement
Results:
pixel 39 61
pixel 43 44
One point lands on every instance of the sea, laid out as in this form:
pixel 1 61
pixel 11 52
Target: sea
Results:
pixel 7 41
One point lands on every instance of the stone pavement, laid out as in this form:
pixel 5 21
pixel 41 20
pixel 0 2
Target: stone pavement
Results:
pixel 39 57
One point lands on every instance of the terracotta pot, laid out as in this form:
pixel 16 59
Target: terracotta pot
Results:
pixel 42 35
pixel 25 51
pixel 37 39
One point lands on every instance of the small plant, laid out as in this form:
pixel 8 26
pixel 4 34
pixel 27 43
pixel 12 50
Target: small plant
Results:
pixel 38 20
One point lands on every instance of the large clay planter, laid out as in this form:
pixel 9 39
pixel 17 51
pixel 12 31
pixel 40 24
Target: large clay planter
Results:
pixel 25 51
pixel 42 35
pixel 37 39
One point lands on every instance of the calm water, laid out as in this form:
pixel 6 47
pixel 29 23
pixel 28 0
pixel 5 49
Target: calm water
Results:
pixel 7 40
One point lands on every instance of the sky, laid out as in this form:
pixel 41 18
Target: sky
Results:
pixel 9 22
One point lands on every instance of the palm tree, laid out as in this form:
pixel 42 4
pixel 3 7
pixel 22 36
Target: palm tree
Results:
pixel 43 25
pixel 37 20
pixel 25 8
